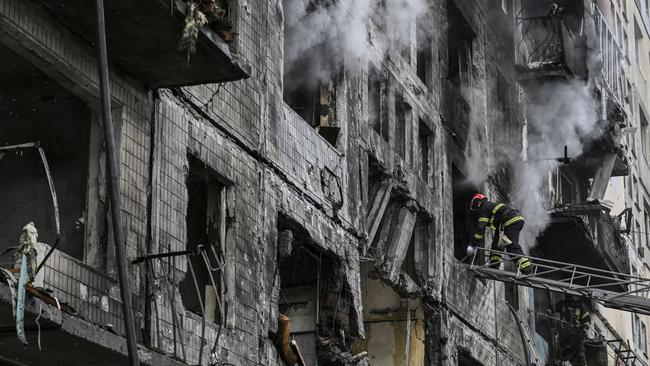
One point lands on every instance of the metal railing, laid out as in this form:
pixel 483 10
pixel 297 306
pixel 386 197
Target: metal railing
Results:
pixel 611 289
pixel 541 40
pixel 213 261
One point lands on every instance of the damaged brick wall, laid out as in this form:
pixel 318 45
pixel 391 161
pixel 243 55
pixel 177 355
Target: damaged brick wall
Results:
pixel 337 196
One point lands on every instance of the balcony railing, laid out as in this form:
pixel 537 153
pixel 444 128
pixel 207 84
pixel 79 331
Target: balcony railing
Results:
pixel 548 47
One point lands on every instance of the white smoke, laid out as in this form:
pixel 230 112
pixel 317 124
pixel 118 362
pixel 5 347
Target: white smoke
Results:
pixel 559 114
pixel 321 34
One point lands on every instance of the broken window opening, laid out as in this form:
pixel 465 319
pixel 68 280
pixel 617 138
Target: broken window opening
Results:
pixel 511 295
pixel 418 249
pixel 376 176
pixel 376 109
pixel 425 142
pixel 646 222
pixel 541 322
pixel 465 358
pixel 424 49
pixel 313 295
pixel 503 95
pixel 37 109
pixel 567 189
pixel 206 227
pixel 309 80
pixel 313 101
pixel 385 312
pixel 464 220
pixel 403 40
pixel 645 134
pixel 459 46
pixel 403 113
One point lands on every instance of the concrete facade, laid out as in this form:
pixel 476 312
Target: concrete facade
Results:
pixel 358 237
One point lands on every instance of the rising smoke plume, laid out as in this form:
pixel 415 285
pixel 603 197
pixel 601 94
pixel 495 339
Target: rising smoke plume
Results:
pixel 559 114
pixel 321 34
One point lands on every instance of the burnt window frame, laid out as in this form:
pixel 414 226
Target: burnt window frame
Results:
pixel 376 89
pixel 459 49
pixel 223 187
pixel 403 118
pixel 96 249
pixel 463 218
pixel 317 97
pixel 425 139
pixel 424 54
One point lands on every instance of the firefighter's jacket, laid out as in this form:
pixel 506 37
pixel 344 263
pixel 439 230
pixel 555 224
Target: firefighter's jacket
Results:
pixel 494 215
pixel 575 314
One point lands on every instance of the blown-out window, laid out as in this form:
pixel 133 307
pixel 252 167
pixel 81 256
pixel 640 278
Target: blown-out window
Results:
pixel 206 230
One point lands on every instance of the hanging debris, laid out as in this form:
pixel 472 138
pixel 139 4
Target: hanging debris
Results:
pixel 194 20
pixel 26 256
pixel 27 248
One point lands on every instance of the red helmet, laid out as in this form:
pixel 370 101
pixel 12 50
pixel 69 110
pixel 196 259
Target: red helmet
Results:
pixel 477 201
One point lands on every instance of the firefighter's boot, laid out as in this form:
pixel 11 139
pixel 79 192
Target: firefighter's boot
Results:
pixel 495 261
pixel 524 265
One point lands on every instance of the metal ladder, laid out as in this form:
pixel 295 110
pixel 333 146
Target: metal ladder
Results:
pixel 611 289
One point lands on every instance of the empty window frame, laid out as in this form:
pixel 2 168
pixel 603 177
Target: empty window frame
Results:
pixel 403 113
pixel 646 220
pixel 206 229
pixel 511 294
pixel 645 134
pixel 313 294
pixel 459 46
pixel 417 251
pixel 638 40
pixel 464 220
pixel 425 141
pixel 36 108
pixel 424 49
pixel 376 92
pixel 402 34
pixel 308 80
pixel 465 359
pixel 503 95
pixel 639 333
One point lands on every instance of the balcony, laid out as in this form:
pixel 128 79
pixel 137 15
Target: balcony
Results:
pixel 143 38
pixel 549 47
pixel 584 234
pixel 574 41
pixel 56 330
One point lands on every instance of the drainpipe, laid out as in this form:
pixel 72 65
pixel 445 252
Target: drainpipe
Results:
pixel 113 187
pixel 524 343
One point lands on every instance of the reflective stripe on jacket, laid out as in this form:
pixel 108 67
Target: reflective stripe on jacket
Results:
pixel 494 215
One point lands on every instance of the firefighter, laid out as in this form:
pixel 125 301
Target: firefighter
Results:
pixel 506 222
pixel 576 317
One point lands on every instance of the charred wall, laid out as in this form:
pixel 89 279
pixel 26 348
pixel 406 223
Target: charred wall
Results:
pixel 365 196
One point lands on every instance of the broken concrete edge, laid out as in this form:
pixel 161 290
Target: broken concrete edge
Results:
pixel 85 331
pixel 240 66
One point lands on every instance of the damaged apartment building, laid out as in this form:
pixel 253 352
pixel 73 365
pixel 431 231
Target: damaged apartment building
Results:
pixel 295 181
